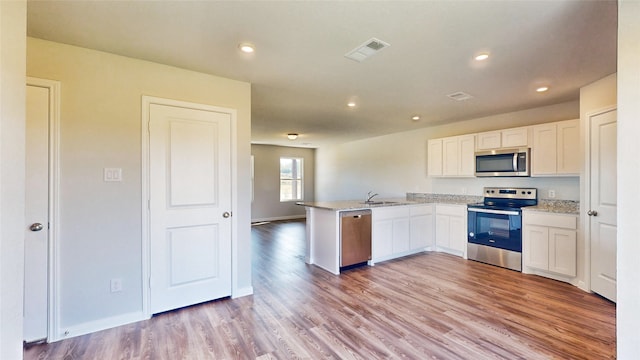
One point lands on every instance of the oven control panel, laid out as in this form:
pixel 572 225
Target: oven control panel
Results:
pixel 511 193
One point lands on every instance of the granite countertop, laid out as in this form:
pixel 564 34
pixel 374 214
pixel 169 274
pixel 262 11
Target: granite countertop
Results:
pixel 569 207
pixel 411 199
pixel 356 204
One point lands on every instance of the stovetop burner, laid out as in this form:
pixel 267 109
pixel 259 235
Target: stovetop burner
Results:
pixel 507 198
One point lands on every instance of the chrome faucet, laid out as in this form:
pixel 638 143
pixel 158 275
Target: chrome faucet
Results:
pixel 370 196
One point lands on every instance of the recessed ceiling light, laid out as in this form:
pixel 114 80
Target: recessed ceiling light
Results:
pixel 415 118
pixel 351 104
pixel 292 136
pixel 482 56
pixel 247 48
pixel 542 89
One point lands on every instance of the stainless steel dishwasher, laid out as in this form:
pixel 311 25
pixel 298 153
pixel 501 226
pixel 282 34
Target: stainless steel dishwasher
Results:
pixel 355 237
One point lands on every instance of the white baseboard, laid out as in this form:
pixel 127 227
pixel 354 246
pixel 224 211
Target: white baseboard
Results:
pixel 98 325
pixel 245 291
pixel 289 217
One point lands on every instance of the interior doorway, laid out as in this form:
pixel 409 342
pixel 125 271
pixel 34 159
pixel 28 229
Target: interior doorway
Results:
pixel 42 104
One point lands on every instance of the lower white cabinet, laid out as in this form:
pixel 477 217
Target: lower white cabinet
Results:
pixel 401 230
pixel 451 229
pixel 549 243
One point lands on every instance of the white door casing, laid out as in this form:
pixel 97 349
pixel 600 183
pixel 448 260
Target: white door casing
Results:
pixel 603 202
pixel 40 299
pixel 189 205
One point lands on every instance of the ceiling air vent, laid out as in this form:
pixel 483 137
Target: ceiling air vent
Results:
pixel 367 49
pixel 460 96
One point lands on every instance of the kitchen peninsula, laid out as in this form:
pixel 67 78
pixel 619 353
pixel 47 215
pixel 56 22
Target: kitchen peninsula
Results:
pixel 399 227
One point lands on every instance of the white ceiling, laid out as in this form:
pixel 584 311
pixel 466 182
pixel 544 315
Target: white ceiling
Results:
pixel 301 80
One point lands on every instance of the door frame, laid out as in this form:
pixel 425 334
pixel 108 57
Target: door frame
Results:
pixel 53 268
pixel 586 200
pixel 147 101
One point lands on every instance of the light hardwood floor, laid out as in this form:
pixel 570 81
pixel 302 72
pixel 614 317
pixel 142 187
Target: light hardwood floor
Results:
pixel 430 305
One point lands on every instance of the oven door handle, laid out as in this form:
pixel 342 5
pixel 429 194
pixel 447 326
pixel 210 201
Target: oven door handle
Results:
pixel 491 211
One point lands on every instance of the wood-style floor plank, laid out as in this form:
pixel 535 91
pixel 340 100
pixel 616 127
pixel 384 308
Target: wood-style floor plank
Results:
pixel 430 305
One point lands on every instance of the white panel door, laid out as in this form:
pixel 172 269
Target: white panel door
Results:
pixel 603 204
pixel 36 242
pixel 190 203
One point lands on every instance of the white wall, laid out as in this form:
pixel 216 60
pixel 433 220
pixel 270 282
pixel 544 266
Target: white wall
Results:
pixel 395 164
pixel 628 311
pixel 266 203
pixel 100 223
pixel 13 17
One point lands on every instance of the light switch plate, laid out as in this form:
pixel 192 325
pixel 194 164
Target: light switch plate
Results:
pixel 112 174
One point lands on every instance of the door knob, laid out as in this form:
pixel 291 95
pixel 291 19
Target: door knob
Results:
pixel 592 213
pixel 36 227
pixel 226 214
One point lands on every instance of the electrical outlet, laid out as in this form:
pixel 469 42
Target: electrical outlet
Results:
pixel 116 285
pixel 552 194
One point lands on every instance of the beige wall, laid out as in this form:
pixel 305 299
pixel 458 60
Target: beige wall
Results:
pixel 395 164
pixel 100 126
pixel 266 203
pixel 13 16
pixel 628 311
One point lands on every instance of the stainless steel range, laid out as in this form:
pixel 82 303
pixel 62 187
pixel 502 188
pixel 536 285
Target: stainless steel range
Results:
pixel 495 226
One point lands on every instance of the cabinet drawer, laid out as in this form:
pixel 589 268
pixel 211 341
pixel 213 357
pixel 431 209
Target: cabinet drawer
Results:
pixel 421 210
pixel 455 210
pixel 392 212
pixel 551 220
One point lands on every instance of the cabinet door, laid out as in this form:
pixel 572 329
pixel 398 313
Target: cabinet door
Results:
pixel 467 160
pixel 568 153
pixel 536 246
pixel 543 152
pixel 401 236
pixel 382 238
pixel 450 156
pixel 489 140
pixel 516 137
pixel 442 231
pixel 434 165
pixel 421 231
pixel 458 234
pixel 562 251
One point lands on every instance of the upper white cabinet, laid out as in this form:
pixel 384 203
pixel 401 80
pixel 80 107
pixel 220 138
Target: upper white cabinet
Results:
pixel 508 138
pixel 556 149
pixel 452 156
pixel 434 165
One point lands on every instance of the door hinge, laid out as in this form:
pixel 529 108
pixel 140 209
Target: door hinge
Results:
pixel 149 282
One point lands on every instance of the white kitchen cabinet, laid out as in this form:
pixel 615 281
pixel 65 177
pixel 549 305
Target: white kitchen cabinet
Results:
pixel 508 138
pixel 401 230
pixel 451 229
pixel 549 243
pixel 434 165
pixel 421 222
pixel 457 156
pixel 390 231
pixel 556 149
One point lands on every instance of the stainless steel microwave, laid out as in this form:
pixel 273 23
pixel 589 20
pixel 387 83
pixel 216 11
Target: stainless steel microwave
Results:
pixel 503 162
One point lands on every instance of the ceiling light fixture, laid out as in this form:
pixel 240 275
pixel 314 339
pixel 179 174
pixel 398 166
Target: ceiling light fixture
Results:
pixel 292 136
pixel 351 104
pixel 247 48
pixel 482 56
pixel 542 89
pixel 415 118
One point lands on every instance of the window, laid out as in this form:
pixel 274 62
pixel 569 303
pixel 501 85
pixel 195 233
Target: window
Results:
pixel 290 179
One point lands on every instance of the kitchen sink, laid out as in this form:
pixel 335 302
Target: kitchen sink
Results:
pixel 379 202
